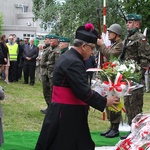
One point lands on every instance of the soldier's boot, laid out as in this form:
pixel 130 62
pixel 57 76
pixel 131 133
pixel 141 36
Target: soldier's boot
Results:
pixel 106 132
pixel 114 132
pixel 125 136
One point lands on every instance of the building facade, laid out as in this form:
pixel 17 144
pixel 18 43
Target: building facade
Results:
pixel 18 19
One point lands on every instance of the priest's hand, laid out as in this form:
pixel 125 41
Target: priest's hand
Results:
pixel 112 100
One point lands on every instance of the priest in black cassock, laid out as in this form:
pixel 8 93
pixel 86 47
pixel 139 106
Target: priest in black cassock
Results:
pixel 65 126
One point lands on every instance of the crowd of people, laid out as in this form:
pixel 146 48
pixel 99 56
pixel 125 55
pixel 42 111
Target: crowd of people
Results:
pixel 19 57
pixel 66 84
pixel 34 62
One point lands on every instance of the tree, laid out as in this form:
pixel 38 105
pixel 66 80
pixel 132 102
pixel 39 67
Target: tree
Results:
pixel 71 14
pixel 45 10
pixel 74 13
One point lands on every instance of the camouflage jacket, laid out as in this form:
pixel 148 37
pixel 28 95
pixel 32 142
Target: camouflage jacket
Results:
pixel 44 60
pixel 138 49
pixel 114 50
pixel 53 56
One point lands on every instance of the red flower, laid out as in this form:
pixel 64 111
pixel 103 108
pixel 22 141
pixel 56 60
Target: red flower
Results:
pixel 113 65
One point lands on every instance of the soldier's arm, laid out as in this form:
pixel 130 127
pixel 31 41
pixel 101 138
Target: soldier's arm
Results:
pixel 144 53
pixel 57 53
pixel 115 51
pixel 44 59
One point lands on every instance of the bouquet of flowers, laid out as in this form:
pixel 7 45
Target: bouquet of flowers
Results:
pixel 139 139
pixel 116 78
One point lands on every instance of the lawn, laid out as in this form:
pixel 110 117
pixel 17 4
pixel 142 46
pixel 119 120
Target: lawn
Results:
pixel 22 104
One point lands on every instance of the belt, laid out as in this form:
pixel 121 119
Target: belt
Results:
pixel 65 95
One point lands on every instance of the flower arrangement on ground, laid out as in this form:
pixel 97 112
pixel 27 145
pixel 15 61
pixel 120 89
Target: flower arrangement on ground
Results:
pixel 139 139
pixel 117 78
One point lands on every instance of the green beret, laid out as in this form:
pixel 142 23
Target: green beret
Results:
pixel 53 36
pixel 134 17
pixel 47 36
pixel 64 39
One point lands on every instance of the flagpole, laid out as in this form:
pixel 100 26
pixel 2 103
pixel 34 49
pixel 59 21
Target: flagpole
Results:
pixel 104 17
pixel 104 30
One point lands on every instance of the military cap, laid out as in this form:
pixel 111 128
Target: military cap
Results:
pixel 135 17
pixel 116 28
pixel 64 39
pixel 47 36
pixel 53 36
pixel 87 33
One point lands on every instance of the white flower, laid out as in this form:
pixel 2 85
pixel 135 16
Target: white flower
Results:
pixel 132 68
pixel 116 62
pixel 122 68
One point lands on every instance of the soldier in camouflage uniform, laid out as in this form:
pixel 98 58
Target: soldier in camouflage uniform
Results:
pixel 138 49
pixel 44 66
pixel 114 33
pixel 63 44
pixel 53 56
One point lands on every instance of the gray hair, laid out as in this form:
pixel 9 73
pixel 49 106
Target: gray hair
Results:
pixel 31 39
pixel 78 43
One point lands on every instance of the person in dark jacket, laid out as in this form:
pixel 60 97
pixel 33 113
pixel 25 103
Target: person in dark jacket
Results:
pixel 4 57
pixel 30 53
pixel 65 126
pixel 19 58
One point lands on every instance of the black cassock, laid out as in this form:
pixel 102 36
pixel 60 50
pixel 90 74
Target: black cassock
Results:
pixel 65 126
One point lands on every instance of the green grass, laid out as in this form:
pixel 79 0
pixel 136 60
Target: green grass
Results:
pixel 22 104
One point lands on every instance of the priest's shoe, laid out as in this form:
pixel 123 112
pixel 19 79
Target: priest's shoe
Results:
pixel 43 111
pixel 113 133
pixel 104 133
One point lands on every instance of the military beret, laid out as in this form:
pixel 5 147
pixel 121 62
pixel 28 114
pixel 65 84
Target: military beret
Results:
pixel 135 17
pixel 47 36
pixel 87 33
pixel 64 39
pixel 53 36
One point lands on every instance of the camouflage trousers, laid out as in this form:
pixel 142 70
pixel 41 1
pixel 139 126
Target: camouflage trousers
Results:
pixel 113 117
pixel 46 89
pixel 134 103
